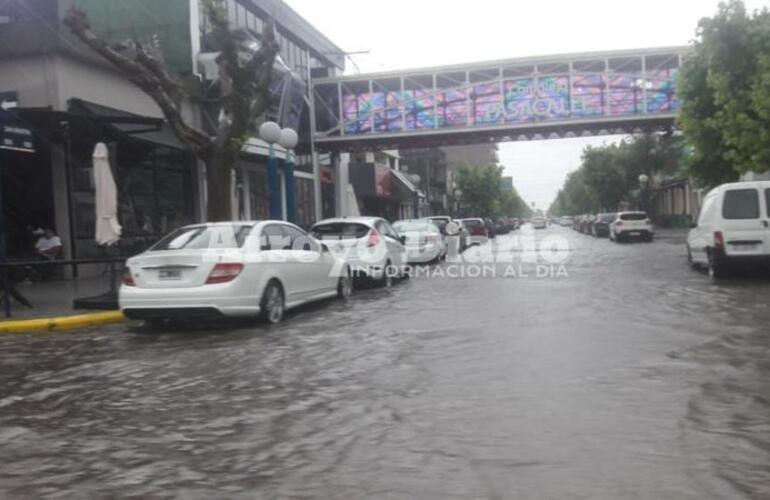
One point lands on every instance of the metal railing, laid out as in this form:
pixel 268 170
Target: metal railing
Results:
pixel 8 287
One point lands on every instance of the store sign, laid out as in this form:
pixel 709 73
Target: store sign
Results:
pixel 8 101
pixel 13 136
pixel 16 138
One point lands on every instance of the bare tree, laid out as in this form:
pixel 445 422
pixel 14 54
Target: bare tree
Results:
pixel 245 95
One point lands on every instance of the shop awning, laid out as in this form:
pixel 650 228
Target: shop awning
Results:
pixel 403 183
pixel 143 128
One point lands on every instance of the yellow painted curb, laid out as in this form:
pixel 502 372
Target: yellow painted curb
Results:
pixel 62 323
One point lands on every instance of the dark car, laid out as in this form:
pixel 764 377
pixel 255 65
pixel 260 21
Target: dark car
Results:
pixel 477 229
pixel 601 226
pixel 490 225
pixel 502 225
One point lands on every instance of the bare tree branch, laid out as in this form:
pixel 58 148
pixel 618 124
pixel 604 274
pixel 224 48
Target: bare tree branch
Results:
pixel 152 83
pixel 245 80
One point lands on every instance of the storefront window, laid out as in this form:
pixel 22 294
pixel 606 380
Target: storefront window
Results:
pixel 304 195
pixel 258 193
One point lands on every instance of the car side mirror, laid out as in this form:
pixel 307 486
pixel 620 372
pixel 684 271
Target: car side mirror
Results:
pixel 693 225
pixel 402 239
pixel 324 248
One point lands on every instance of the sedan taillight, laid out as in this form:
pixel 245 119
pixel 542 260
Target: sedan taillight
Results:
pixel 128 279
pixel 224 272
pixel 374 238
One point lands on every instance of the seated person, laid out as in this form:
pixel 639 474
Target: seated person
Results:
pixel 49 246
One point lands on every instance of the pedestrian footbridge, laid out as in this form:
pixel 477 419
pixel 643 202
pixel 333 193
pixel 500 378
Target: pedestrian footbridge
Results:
pixel 518 99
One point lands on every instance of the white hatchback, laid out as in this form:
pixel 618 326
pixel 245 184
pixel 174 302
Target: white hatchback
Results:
pixel 733 228
pixel 231 269
pixel 631 225
pixel 369 245
pixel 424 242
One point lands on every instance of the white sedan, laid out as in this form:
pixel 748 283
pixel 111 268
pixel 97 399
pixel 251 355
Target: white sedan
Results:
pixel 234 269
pixel 422 239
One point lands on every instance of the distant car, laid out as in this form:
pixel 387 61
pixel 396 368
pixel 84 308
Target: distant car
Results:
pixel 732 229
pixel 490 225
pixel 565 221
pixel 465 235
pixel 443 222
pixel 422 239
pixel 601 226
pixel 631 225
pixel 502 225
pixel 370 246
pixel 231 269
pixel 477 229
pixel 539 222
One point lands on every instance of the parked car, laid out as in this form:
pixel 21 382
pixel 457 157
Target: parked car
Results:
pixel 516 224
pixel 630 225
pixel 477 229
pixel 565 221
pixel 490 225
pixel 443 220
pixel 370 246
pixel 465 235
pixel 539 222
pixel 588 224
pixel 207 271
pixel 423 240
pixel 732 228
pixel 502 225
pixel 601 226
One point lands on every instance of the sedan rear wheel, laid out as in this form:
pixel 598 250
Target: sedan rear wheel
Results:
pixel 387 275
pixel 273 303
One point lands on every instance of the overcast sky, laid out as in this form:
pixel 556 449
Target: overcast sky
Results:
pixel 418 33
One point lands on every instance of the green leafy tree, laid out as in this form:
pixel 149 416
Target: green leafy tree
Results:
pixel 483 195
pixel 481 189
pixel 725 89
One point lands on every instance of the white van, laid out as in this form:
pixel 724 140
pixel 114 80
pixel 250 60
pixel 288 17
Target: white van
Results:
pixel 732 228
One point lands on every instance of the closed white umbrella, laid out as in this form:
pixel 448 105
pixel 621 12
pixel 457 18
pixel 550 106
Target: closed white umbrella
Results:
pixel 108 229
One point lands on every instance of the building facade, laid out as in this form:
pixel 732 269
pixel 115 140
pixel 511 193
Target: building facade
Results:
pixel 430 171
pixel 70 99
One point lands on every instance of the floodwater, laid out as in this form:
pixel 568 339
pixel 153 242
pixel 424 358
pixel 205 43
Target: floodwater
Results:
pixel 631 376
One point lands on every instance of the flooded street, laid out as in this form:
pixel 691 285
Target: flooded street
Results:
pixel 633 376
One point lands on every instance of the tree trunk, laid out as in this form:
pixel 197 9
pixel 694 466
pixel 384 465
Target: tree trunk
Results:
pixel 219 175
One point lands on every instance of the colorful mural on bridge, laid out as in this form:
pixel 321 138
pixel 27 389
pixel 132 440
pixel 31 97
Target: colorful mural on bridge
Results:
pixel 510 101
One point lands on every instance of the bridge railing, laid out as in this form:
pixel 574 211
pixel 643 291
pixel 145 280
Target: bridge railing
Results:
pixel 502 95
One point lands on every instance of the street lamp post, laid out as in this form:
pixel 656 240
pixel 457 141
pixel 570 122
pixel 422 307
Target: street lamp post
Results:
pixel 415 178
pixel 644 182
pixel 270 132
pixel 289 139
pixel 458 195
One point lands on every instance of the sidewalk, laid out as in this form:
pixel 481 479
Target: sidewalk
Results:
pixel 54 298
pixel 672 234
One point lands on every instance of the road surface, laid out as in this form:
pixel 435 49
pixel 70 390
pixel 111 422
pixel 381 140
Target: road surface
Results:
pixel 630 376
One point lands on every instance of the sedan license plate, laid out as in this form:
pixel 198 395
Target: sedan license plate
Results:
pixel 635 233
pixel 745 247
pixel 170 274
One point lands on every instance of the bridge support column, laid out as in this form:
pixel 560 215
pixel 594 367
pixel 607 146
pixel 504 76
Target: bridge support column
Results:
pixel 341 181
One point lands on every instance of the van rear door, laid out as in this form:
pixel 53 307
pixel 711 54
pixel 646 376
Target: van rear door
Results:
pixel 744 229
pixel 766 221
